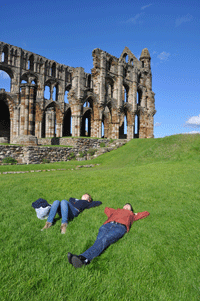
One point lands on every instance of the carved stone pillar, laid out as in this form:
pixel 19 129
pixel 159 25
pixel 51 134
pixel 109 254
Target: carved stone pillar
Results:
pixel 22 110
pixel 76 125
pixel 31 129
pixel 26 109
pixel 120 84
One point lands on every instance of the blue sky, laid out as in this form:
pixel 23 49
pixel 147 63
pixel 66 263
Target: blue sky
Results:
pixel 68 31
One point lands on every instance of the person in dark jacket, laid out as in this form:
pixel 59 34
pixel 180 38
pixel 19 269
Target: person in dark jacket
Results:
pixel 69 209
pixel 117 224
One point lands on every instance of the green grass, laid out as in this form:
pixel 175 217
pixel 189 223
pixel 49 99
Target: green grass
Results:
pixel 156 260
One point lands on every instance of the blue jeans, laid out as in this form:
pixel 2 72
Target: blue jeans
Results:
pixel 108 234
pixel 64 209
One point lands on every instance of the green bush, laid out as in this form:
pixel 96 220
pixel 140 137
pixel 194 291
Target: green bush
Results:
pixel 111 140
pixel 91 151
pixel 9 160
pixel 102 144
pixel 82 154
pixel 45 160
pixel 72 155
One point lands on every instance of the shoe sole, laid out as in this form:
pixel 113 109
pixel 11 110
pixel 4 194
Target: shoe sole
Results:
pixel 77 263
pixel 69 257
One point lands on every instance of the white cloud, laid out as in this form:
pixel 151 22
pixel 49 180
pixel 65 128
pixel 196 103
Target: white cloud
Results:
pixel 183 19
pixel 143 7
pixel 158 124
pixel 135 19
pixel 163 56
pixel 4 75
pixel 192 132
pixel 193 121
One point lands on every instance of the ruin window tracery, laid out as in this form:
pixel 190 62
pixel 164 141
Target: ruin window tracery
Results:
pixel 31 63
pixel 125 58
pixel 88 81
pixel 53 70
pixel 4 56
pixel 125 93
pixel 109 64
pixel 131 62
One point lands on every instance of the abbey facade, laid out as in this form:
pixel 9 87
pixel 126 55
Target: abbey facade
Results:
pixel 48 99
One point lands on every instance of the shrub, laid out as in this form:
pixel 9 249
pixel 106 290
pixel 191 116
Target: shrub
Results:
pixel 111 140
pixel 72 155
pixel 102 144
pixel 91 151
pixel 45 160
pixel 82 154
pixel 9 160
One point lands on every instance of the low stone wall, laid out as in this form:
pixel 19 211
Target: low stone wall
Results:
pixel 36 154
pixel 41 154
pixel 75 142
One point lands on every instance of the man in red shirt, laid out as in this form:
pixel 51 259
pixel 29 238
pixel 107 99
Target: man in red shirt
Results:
pixel 118 223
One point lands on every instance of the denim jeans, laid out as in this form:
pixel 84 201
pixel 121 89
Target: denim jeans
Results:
pixel 64 209
pixel 108 234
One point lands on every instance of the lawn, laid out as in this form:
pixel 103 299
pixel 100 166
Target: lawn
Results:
pixel 157 260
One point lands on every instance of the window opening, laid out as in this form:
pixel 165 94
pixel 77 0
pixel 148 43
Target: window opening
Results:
pixel 47 92
pixel 102 130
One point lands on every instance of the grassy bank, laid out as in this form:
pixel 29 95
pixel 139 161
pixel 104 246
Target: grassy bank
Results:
pixel 156 260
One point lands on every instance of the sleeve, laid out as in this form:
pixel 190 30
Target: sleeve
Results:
pixel 108 211
pixel 94 204
pixel 72 201
pixel 141 215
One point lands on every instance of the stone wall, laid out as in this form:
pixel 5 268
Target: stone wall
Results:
pixel 75 142
pixel 37 154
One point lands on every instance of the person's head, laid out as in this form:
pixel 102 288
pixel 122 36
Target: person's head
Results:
pixel 128 206
pixel 86 197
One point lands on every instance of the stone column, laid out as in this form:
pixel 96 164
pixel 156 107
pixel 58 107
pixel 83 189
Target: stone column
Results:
pixel 47 123
pixel 58 129
pixel 115 125
pixel 142 123
pixel 31 111
pixel 26 109
pixel 120 84
pixel 15 122
pixel 22 110
pixel 76 125
pixel 102 91
pixel 52 124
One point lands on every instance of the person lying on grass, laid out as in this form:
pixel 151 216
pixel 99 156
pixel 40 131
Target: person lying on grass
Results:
pixel 69 209
pixel 118 223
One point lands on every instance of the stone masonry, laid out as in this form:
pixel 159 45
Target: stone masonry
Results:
pixel 118 91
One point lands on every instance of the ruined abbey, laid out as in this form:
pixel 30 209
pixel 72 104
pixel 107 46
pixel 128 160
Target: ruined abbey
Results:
pixel 48 99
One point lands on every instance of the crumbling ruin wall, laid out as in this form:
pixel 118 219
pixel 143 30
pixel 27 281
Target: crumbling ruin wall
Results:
pixel 117 95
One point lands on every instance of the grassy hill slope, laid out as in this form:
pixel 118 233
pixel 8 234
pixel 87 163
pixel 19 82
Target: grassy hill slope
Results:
pixel 156 260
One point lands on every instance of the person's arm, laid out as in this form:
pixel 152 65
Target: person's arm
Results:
pixel 140 215
pixel 108 211
pixel 94 204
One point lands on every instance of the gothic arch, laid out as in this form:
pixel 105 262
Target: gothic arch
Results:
pixel 87 117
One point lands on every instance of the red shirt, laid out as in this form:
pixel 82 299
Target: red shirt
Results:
pixel 123 216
